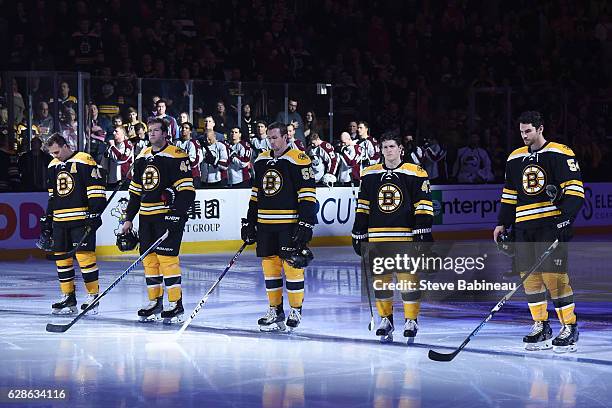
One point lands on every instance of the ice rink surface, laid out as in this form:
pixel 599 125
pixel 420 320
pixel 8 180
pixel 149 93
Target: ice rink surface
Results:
pixel 332 360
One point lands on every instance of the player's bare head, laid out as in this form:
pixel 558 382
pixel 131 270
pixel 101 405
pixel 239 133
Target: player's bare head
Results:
pixel 531 126
pixel 209 123
pixel 277 135
pixel 315 139
pixel 262 127
pixel 158 131
pixel 58 147
pixel 235 134
pixel 119 134
pixel 186 128
pixel 363 129
pixel 345 138
pixel 391 148
pixel 292 105
pixel 132 114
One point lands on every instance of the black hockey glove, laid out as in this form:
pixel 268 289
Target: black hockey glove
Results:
pixel 248 232
pixel 358 237
pixel 209 158
pixel 423 240
pixel 93 221
pixel 302 234
pixel 564 229
pixel 174 222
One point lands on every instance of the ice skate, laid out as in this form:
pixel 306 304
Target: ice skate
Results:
pixel 91 297
pixel 566 339
pixel 174 314
pixel 66 305
pixel 540 337
pixel 294 319
pixel 385 330
pixel 274 320
pixel 152 311
pixel 411 327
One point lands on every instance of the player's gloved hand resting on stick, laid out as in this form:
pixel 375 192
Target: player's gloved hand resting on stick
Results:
pixel 302 234
pixel 564 229
pixel 248 232
pixel 358 237
pixel 93 221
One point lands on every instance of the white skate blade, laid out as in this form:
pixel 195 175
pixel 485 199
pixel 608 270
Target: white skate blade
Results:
pixel 175 319
pixel 65 311
pixel 274 327
pixel 542 345
pixel 565 349
pixel 387 338
pixel 410 340
pixel 149 319
pixel 92 312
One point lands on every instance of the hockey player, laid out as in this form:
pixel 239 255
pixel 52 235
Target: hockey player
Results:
pixel 370 149
pixel 542 195
pixel 394 205
pixel 293 142
pixel 214 163
pixel 238 175
pixel 162 189
pixel 76 200
pixel 324 160
pixel 193 149
pixel 350 154
pixel 280 219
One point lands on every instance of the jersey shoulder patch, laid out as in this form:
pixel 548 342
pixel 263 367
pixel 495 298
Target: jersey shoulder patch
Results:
pixel 414 168
pixel 264 156
pixel 144 153
pixel 84 158
pixel 298 157
pixel 371 169
pixel 54 163
pixel 560 148
pixel 176 152
pixel 518 153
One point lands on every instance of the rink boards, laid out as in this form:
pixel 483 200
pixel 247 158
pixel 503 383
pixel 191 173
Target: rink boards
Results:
pixel 461 211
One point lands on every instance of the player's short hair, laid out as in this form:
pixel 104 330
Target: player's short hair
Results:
pixel 390 137
pixel 163 122
pixel 531 117
pixel 315 136
pixel 57 139
pixel 364 123
pixel 280 126
pixel 132 110
pixel 138 127
pixel 161 100
pixel 263 122
pixel 187 124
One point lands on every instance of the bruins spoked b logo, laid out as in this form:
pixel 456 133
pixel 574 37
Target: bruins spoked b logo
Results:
pixel 65 183
pixel 389 198
pixel 534 179
pixel 150 178
pixel 272 182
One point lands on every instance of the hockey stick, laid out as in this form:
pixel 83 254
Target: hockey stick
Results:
pixel 61 328
pixel 70 254
pixel 202 302
pixel 434 355
pixel 365 273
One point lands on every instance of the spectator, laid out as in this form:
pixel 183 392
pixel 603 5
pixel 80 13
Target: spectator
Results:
pixel 223 120
pixel 214 164
pixel 120 157
pixel 132 122
pixel 294 118
pixel 349 156
pixel 324 160
pixel 310 125
pixel 65 100
pixel 247 123
pixel 33 167
pixel 9 166
pixel 238 175
pixel 352 130
pixel 160 112
pixel 109 103
pixel 69 128
pixel 86 47
pixel 192 147
pixel 472 164
pixel 44 121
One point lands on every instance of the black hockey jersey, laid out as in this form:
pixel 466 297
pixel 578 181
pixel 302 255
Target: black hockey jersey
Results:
pixel 283 192
pixel 76 187
pixel 393 202
pixel 524 200
pixel 9 172
pixel 162 181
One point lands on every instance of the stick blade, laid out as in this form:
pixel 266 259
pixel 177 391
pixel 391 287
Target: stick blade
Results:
pixel 57 328
pixel 435 356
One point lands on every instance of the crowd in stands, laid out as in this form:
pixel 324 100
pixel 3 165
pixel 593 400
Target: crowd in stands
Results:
pixel 440 75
